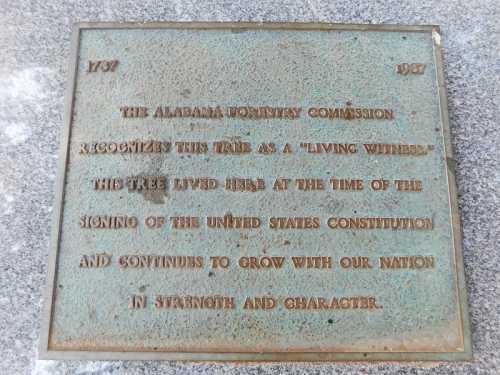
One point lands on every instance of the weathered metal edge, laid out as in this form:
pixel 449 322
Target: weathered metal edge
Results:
pixel 48 295
pixel 456 225
pixel 258 26
pixel 256 357
pixel 46 353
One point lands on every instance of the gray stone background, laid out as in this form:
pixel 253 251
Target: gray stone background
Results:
pixel 34 49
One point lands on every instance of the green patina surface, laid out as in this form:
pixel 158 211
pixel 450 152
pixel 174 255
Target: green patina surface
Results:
pixel 420 311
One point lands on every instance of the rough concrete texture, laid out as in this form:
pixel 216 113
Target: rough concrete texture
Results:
pixel 34 45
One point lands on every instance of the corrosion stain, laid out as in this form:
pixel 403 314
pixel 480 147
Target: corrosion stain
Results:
pixel 185 93
pixel 155 196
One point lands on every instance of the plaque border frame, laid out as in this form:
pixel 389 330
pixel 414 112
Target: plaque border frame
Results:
pixel 44 351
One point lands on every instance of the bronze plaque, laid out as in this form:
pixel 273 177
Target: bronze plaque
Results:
pixel 256 192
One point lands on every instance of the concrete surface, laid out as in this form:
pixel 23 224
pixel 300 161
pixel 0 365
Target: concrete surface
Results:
pixel 34 45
